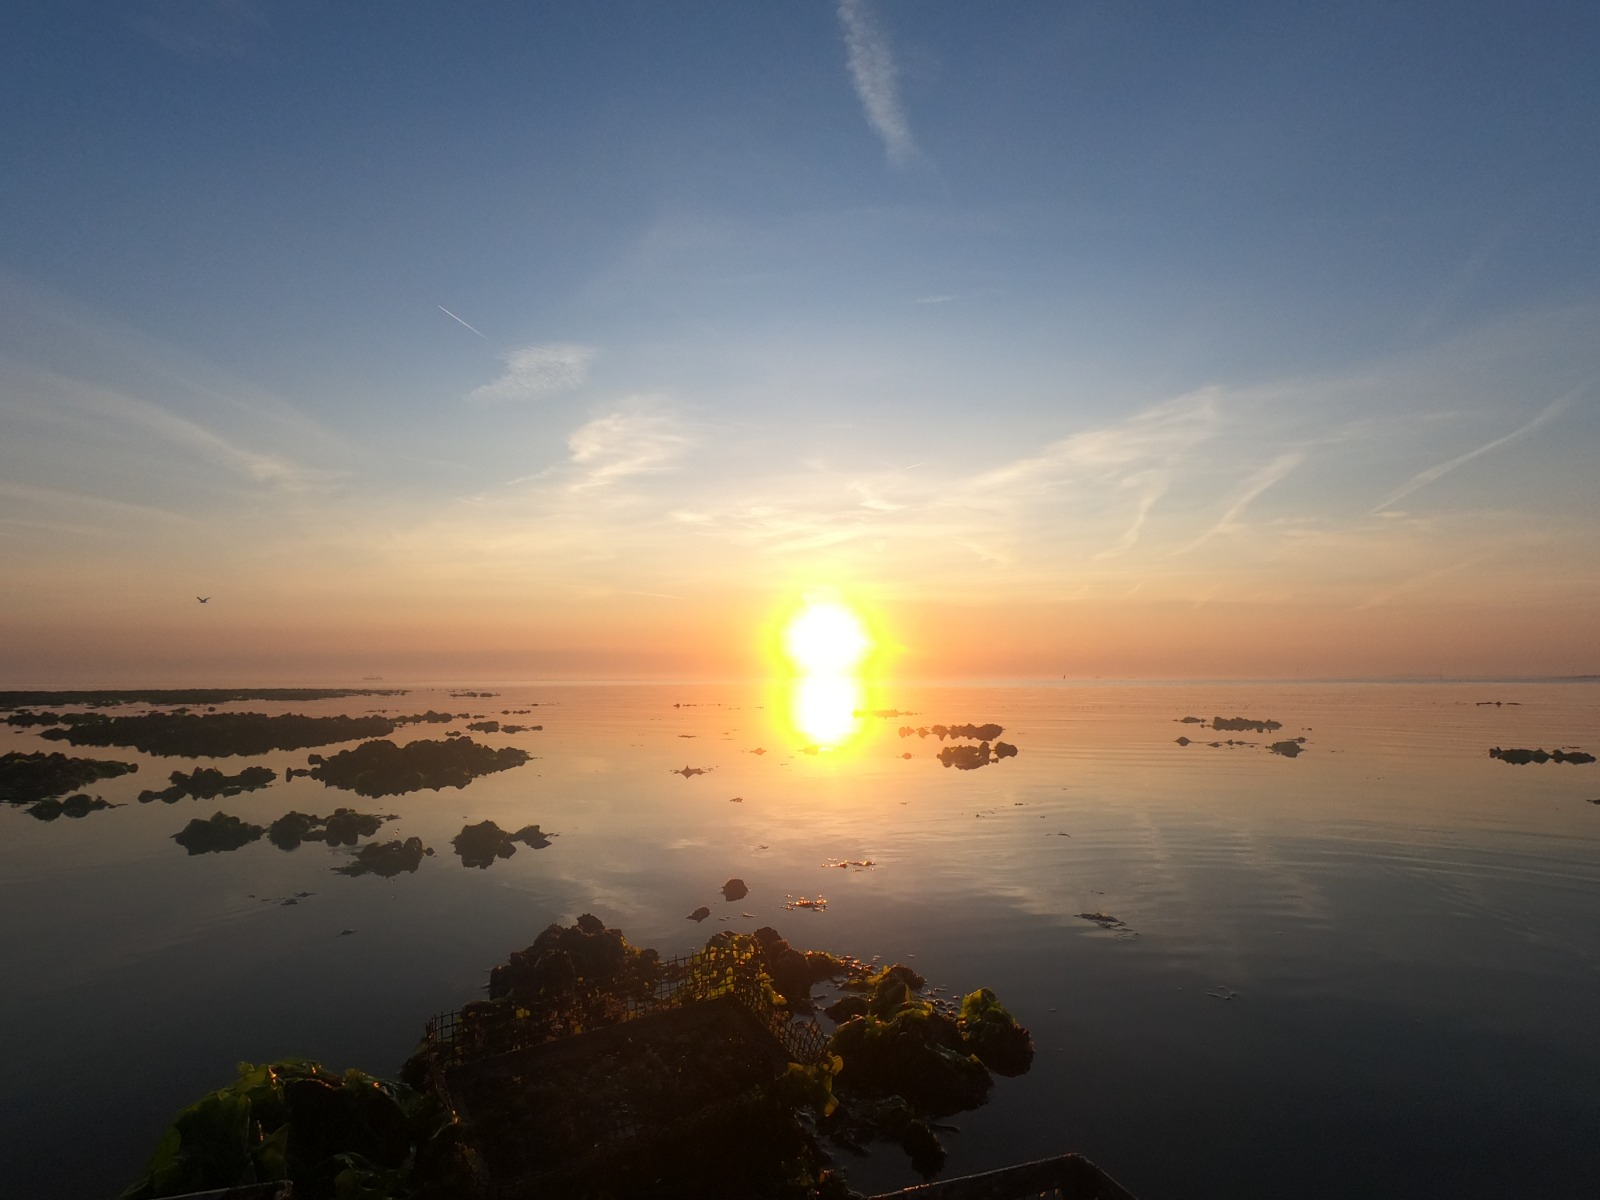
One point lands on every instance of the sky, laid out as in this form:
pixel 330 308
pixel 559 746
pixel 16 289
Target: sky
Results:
pixel 1085 338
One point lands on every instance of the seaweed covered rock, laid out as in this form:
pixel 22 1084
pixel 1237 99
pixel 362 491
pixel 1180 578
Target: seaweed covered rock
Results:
pixel 479 845
pixel 26 778
pixel 217 835
pixel 993 1035
pixel 387 859
pixel 564 959
pixel 381 768
pixel 912 1050
pixel 331 1135
pixel 208 783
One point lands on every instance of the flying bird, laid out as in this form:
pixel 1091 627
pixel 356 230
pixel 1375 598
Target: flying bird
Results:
pixel 202 599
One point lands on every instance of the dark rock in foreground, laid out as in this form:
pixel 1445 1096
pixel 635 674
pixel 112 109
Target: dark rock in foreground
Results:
pixel 218 835
pixel 216 735
pixel 26 778
pixel 479 845
pixel 734 889
pixel 1523 757
pixel 208 783
pixel 381 768
pixel 387 859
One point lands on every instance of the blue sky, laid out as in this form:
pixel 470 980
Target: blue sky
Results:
pixel 594 328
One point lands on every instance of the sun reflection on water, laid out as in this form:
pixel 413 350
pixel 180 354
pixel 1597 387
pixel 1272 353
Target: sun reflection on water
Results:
pixel 823 708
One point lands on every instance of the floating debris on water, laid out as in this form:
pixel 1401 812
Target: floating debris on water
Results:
pixel 1104 920
pixel 691 772
pixel 860 864
pixel 799 902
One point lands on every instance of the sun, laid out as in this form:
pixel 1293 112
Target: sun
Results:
pixel 826 638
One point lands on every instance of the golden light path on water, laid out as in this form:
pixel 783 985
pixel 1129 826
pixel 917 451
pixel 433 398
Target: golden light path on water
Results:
pixel 825 642
pixel 823 708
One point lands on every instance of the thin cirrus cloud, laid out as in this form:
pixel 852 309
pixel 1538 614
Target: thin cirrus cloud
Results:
pixel 1423 478
pixel 877 79
pixel 1258 482
pixel 534 372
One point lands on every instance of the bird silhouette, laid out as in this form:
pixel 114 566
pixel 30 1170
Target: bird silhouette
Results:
pixel 202 599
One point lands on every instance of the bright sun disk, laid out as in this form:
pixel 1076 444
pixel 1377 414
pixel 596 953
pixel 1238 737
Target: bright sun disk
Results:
pixel 826 638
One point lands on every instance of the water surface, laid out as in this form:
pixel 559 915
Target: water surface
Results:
pixel 1375 966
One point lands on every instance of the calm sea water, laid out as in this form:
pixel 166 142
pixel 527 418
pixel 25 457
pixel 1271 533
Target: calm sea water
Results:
pixel 1372 969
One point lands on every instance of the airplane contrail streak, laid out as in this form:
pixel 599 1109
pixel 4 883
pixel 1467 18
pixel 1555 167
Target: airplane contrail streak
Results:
pixel 453 317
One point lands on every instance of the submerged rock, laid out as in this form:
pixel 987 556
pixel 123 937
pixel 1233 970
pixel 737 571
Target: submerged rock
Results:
pixel 26 778
pixel 208 783
pixel 734 889
pixel 481 844
pixel 981 733
pixel 381 768
pixel 218 834
pixel 1237 723
pixel 344 827
pixel 699 914
pixel 1523 757
pixel 387 859
pixel 217 735
pixel 1290 748
pixel 77 806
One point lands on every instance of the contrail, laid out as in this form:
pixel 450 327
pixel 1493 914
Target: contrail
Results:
pixel 453 317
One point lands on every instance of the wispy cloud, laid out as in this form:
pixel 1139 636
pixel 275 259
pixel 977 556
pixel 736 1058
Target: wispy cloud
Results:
pixel 611 448
pixel 1423 478
pixel 876 79
pixel 1258 482
pixel 113 408
pixel 534 372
